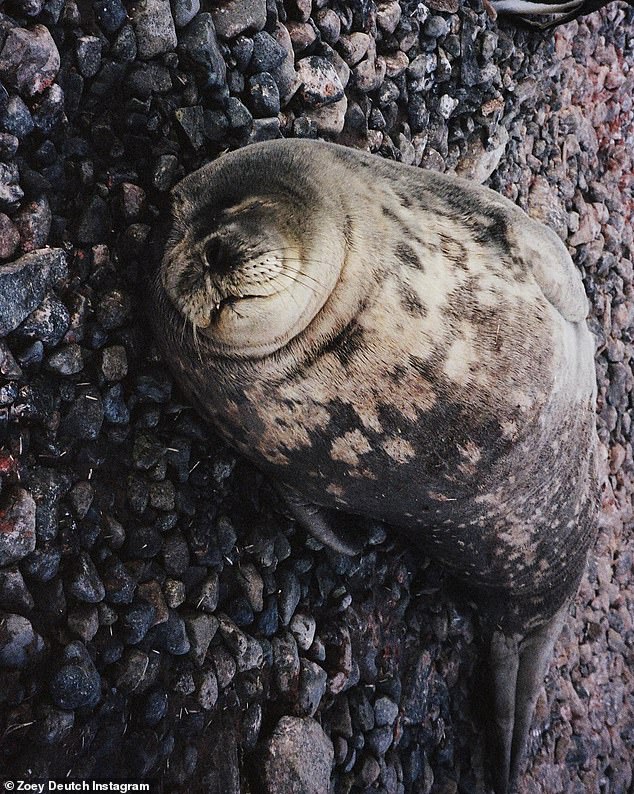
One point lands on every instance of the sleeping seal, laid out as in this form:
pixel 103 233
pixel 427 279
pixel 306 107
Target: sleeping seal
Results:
pixel 407 346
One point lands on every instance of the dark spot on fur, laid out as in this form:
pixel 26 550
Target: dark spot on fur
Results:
pixel 391 215
pixel 454 251
pixel 520 271
pixel 405 200
pixel 345 345
pixel 424 368
pixel 348 230
pixel 411 302
pixel 408 256
pixel 397 373
pixel 491 229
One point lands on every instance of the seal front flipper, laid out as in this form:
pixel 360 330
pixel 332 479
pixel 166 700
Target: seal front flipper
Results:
pixel 518 665
pixel 315 521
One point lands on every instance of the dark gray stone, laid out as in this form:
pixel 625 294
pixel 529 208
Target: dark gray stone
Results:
pixel 10 190
pixel 77 683
pixel 124 47
pixel 95 222
pixel 298 757
pixel 199 46
pixel 33 222
pixel 14 594
pixel 232 17
pixel 154 707
pixel 17 526
pixel 164 174
pixel 84 418
pixel 215 124
pixel 267 53
pixel 385 711
pixel 31 8
pixel 88 50
pixel 16 119
pixel 20 645
pixel 84 582
pixel 110 14
pixel 170 636
pixel 48 323
pixel 136 621
pixel 48 110
pixel 192 123
pixel 29 60
pixel 264 95
pixel 264 130
pixel 201 629
pixel 154 27
pixel 312 687
pixel 53 725
pixel 289 596
pixel 9 367
pixel 68 360
pixel 240 119
pixel 113 309
pixel 115 409
pixel 436 27
pixel 43 564
pixel 184 11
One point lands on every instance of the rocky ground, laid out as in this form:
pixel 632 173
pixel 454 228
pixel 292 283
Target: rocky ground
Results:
pixel 162 617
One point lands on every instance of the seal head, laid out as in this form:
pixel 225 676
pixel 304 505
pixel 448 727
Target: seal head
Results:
pixel 239 270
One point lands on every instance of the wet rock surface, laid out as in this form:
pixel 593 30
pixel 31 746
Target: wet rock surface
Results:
pixel 160 614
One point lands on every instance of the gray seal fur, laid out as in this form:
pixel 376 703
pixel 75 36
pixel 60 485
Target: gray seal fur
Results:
pixel 404 345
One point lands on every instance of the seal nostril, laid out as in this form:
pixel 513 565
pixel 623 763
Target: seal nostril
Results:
pixel 219 257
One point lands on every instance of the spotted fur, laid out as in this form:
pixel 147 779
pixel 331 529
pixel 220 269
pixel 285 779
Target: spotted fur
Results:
pixel 446 385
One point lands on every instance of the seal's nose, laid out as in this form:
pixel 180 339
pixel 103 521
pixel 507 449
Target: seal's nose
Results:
pixel 220 256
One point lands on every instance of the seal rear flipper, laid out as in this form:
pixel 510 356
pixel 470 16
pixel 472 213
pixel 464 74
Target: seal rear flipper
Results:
pixel 314 519
pixel 518 665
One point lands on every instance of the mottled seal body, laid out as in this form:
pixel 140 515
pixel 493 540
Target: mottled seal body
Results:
pixel 399 344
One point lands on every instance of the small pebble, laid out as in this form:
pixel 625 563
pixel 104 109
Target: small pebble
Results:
pixel 184 11
pixel 199 46
pixel 111 14
pixel 17 516
pixel 264 95
pixel 20 644
pixel 33 222
pixel 170 636
pixel 154 27
pixel 9 237
pixel 14 594
pixel 320 83
pixel 239 16
pixel 297 756
pixel 76 684
pixel 53 726
pixel 10 191
pixel 48 323
pixel 29 60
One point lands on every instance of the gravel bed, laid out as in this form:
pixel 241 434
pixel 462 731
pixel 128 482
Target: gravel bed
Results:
pixel 161 616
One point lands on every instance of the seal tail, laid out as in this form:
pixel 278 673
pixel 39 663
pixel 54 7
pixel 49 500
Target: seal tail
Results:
pixel 519 665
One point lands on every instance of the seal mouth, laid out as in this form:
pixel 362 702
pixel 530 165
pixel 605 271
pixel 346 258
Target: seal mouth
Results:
pixel 205 318
pixel 231 300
